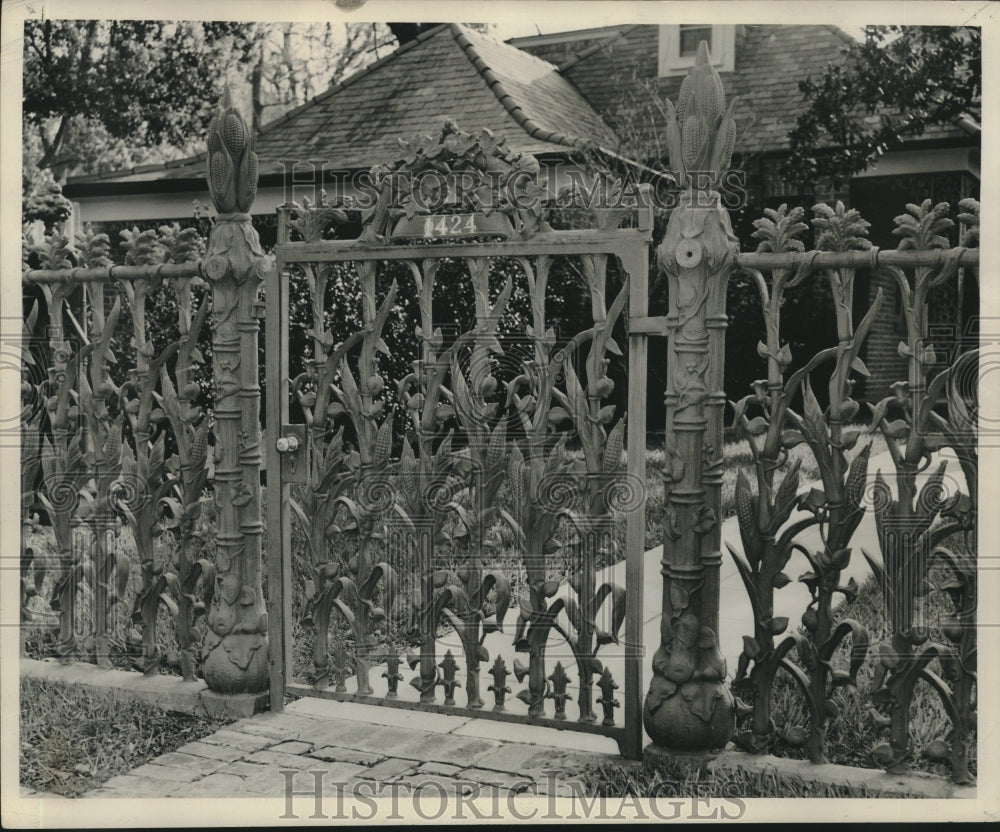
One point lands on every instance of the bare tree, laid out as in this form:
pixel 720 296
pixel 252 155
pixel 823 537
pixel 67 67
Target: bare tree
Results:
pixel 291 63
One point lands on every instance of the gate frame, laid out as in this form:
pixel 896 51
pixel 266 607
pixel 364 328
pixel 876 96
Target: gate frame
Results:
pixel 631 247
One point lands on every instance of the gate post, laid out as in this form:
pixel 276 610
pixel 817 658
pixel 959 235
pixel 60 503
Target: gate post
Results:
pixel 688 706
pixel 235 650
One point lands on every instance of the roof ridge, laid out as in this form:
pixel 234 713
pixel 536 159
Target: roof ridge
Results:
pixel 465 30
pixel 840 33
pixel 566 36
pixel 506 100
pixel 583 54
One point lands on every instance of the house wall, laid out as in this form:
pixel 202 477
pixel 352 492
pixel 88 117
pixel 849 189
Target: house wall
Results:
pixel 146 210
pixel 954 304
pixel 621 80
pixel 120 208
pixel 908 162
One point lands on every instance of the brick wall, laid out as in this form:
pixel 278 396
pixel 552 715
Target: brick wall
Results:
pixel 881 351
pixel 621 81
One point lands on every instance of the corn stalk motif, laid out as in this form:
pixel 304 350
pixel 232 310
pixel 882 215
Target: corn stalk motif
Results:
pixel 960 430
pixel 838 507
pixel 329 476
pixel 61 451
pixel 583 407
pixel 145 479
pixel 33 565
pixel 701 133
pixel 190 579
pixel 350 587
pixel 688 706
pixel 463 601
pixel 762 515
pixel 440 492
pixel 430 479
pixel 102 458
pixel 110 482
pixel 235 646
pixel 913 526
pixel 543 493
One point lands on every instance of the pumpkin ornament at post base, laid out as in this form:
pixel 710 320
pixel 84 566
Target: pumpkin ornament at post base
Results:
pixel 235 648
pixel 688 706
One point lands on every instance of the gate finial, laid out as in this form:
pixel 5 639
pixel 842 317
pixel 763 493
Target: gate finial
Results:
pixel 701 133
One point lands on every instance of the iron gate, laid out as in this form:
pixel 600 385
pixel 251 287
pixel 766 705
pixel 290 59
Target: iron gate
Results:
pixel 407 537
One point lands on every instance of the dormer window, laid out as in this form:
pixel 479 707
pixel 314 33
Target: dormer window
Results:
pixel 679 46
pixel 691 35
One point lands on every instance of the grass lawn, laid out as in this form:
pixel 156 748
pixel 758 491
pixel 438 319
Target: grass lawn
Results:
pixel 687 779
pixel 73 738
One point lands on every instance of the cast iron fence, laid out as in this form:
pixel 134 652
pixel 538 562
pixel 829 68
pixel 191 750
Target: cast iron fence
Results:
pixel 108 447
pixel 111 444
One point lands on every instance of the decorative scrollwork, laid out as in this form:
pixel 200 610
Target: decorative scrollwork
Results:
pixel 457 171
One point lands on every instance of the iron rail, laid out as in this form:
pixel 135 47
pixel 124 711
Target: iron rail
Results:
pixel 873 258
pixel 162 270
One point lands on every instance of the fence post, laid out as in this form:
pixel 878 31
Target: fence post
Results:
pixel 235 651
pixel 688 706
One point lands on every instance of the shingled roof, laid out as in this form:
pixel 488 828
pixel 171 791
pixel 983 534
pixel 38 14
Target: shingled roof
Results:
pixel 616 68
pixel 546 94
pixel 450 71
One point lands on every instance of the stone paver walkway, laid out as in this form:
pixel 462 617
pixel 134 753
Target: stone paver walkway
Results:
pixel 351 743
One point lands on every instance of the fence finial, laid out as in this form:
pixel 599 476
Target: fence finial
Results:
pixel 232 163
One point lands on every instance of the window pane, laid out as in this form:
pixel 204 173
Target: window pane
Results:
pixel 692 35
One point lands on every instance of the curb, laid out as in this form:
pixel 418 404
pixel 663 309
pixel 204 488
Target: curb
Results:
pixel 171 693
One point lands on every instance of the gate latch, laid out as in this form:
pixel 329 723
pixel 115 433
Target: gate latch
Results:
pixel 292 447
